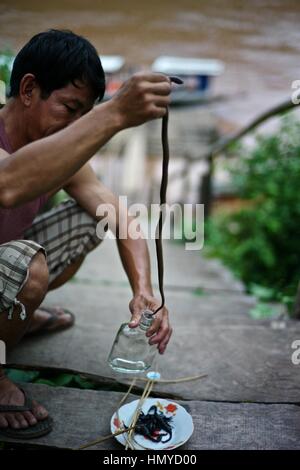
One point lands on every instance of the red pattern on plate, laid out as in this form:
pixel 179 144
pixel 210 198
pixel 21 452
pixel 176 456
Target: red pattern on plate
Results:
pixel 117 423
pixel 171 408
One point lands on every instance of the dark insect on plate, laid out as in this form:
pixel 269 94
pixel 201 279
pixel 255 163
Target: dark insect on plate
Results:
pixel 154 425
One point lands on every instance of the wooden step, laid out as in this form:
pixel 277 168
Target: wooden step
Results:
pixel 81 416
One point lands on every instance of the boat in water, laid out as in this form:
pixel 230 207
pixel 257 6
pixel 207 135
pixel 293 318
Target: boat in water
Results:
pixel 196 73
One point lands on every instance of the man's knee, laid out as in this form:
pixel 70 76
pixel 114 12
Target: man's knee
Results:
pixel 36 285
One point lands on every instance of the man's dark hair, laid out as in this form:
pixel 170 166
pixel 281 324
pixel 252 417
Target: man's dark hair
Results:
pixel 57 58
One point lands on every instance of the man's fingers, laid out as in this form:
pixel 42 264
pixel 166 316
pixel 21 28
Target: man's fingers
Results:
pixel 158 112
pixel 135 319
pixel 143 97
pixel 160 336
pixel 155 326
pixel 161 101
pixel 152 77
pixel 135 316
pixel 162 346
pixel 161 88
pixel 162 331
pixel 160 322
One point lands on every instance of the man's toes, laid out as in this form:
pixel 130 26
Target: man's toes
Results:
pixel 30 418
pixel 13 423
pixel 3 422
pixel 21 420
pixel 64 318
pixel 39 411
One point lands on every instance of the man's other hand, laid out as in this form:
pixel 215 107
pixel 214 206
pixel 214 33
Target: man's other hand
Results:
pixel 143 97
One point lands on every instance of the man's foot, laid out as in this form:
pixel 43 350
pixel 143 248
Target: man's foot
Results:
pixel 50 319
pixel 10 394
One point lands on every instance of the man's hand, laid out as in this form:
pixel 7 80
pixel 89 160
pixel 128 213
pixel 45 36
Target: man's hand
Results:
pixel 160 331
pixel 142 97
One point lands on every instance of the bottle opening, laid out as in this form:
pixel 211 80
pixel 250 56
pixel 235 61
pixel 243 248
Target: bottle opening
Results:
pixel 147 319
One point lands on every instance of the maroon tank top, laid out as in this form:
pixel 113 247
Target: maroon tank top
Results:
pixel 14 222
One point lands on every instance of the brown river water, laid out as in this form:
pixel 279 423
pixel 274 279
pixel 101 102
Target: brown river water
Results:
pixel 258 40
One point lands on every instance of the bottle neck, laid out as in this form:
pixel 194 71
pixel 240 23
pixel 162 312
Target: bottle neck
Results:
pixel 146 320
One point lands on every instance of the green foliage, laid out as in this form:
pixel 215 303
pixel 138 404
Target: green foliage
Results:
pixel 6 57
pixel 25 376
pixel 199 291
pixel 261 242
pixel 56 199
pixel 261 310
pixel 53 379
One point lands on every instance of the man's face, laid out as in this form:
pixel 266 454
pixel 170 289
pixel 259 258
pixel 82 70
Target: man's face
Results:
pixel 61 108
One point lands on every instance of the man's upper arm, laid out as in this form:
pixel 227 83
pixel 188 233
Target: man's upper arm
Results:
pixel 4 155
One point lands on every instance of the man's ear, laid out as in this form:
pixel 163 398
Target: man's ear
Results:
pixel 28 89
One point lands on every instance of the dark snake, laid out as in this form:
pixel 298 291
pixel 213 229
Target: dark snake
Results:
pixel 163 195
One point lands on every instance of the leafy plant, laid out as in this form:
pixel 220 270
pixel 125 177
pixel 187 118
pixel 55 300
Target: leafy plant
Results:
pixel 6 58
pixel 261 310
pixel 53 379
pixel 260 242
pixel 25 376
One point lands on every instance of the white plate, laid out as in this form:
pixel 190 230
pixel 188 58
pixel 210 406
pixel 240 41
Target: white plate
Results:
pixel 182 424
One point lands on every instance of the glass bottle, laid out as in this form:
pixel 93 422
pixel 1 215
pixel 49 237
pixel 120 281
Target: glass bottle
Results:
pixel 131 351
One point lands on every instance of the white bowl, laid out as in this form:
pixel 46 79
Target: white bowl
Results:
pixel 182 424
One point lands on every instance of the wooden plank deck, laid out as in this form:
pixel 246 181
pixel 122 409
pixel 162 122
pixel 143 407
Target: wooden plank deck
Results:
pixel 81 416
pixel 244 360
pixel 250 396
pixel 183 269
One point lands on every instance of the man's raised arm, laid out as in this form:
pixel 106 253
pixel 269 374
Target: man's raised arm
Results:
pixel 46 164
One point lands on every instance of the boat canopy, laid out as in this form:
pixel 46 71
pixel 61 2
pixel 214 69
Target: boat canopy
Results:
pixel 187 66
pixel 112 63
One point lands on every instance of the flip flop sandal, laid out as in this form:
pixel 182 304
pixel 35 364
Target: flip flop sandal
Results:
pixel 41 428
pixel 46 327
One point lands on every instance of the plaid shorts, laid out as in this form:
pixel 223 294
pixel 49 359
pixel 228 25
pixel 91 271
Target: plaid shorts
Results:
pixel 63 234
